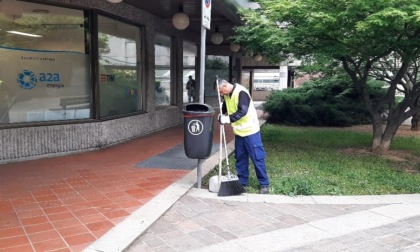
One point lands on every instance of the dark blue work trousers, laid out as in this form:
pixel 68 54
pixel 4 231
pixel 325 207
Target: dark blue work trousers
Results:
pixel 250 147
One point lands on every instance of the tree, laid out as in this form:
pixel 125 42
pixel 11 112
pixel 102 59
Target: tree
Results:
pixel 386 69
pixel 356 34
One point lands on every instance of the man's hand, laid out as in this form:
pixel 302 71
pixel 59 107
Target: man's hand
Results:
pixel 223 119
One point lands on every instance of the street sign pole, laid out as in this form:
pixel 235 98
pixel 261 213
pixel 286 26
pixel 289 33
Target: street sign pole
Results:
pixel 202 62
pixel 205 24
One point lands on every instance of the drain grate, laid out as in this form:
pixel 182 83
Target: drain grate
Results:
pixel 173 158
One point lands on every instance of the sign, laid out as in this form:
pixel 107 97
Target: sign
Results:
pixel 206 14
pixel 195 127
pixel 33 81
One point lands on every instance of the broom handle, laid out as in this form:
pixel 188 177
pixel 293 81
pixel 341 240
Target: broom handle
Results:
pixel 225 146
pixel 220 133
pixel 220 153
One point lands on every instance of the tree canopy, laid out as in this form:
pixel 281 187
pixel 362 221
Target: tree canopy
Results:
pixel 358 35
pixel 335 28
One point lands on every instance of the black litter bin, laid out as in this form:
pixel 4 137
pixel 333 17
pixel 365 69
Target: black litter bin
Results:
pixel 198 130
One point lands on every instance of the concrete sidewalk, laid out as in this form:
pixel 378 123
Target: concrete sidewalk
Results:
pixel 201 221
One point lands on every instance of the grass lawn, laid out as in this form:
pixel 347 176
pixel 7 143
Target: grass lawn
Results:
pixel 334 161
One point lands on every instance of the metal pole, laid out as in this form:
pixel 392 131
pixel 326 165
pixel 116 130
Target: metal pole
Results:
pixel 202 62
pixel 201 95
pixel 199 172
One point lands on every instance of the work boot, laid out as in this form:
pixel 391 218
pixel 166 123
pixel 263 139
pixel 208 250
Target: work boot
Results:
pixel 264 190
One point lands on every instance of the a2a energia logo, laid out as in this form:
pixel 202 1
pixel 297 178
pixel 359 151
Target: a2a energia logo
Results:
pixel 28 79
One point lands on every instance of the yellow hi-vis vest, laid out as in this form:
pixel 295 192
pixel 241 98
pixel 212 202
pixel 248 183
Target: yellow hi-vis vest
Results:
pixel 248 124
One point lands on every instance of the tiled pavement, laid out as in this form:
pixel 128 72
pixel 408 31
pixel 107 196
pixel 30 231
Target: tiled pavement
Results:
pixel 66 203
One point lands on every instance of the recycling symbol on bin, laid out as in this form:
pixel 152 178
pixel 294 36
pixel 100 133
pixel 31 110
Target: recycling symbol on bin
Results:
pixel 195 127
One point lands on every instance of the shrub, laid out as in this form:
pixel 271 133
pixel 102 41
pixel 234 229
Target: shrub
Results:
pixel 325 101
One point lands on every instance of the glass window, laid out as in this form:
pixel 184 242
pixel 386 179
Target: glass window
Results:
pixel 190 54
pixel 119 67
pixel 44 65
pixel 215 65
pixel 267 79
pixel 163 46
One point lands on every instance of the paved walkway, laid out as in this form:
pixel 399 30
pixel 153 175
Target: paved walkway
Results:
pixel 201 221
pixel 66 203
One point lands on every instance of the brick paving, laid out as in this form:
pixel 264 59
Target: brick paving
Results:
pixel 66 203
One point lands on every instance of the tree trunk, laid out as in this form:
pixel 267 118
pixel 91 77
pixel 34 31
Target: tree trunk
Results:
pixel 377 134
pixel 383 146
pixel 382 138
pixel 415 122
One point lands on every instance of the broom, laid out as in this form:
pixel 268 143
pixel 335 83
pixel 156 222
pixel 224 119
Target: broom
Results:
pixel 229 184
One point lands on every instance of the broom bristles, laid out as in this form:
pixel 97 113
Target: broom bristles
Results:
pixel 230 186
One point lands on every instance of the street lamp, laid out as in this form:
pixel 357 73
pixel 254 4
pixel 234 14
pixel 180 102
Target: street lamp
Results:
pixel 234 47
pixel 258 57
pixel 217 37
pixel 180 20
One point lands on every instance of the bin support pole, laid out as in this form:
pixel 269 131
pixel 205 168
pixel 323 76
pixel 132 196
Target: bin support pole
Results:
pixel 199 172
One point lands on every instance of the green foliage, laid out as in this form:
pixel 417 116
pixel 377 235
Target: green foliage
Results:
pixel 103 46
pixel 292 186
pixel 335 29
pixel 325 101
pixel 331 161
pixel 368 39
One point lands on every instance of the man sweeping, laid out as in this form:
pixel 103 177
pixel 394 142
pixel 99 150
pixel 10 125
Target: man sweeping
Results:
pixel 238 110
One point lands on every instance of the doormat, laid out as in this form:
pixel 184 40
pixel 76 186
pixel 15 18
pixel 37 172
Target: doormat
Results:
pixel 174 158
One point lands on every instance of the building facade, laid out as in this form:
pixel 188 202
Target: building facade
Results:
pixel 78 75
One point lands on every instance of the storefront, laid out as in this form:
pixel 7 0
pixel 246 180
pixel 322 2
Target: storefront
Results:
pixel 80 75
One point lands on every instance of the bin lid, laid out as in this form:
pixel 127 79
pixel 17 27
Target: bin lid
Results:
pixel 198 109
